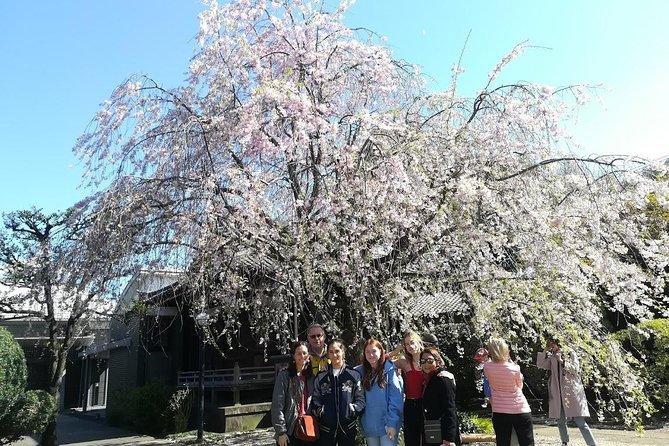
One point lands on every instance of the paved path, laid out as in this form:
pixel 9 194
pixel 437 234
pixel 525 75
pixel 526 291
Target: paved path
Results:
pixel 80 431
pixel 548 435
pixel 544 436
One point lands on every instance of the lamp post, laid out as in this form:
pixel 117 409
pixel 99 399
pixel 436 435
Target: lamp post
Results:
pixel 202 320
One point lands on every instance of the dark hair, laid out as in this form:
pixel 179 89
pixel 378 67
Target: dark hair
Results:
pixel 341 344
pixel 437 356
pixel 553 338
pixel 370 374
pixel 337 341
pixel 292 367
pixel 430 340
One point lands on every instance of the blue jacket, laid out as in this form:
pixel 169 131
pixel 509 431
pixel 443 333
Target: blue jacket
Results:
pixel 385 405
pixel 338 400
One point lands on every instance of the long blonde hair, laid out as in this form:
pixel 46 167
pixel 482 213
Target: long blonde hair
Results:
pixel 498 349
pixel 414 337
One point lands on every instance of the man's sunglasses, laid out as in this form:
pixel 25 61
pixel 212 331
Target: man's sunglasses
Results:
pixel 315 336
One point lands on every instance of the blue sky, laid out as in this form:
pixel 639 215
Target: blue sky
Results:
pixel 60 60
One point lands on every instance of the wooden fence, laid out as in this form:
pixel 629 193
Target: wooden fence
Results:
pixel 234 379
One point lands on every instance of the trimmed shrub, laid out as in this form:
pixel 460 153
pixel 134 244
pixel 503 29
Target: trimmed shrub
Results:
pixel 145 409
pixel 471 423
pixel 21 412
pixel 118 415
pixel 34 411
pixel 13 373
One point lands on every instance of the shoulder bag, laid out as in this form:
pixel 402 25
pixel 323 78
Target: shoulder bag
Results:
pixel 432 429
pixel 306 426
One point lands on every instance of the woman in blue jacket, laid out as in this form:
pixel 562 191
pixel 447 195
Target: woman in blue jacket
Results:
pixel 338 399
pixel 382 418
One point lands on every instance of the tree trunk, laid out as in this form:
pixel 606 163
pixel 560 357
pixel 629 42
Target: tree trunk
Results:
pixel 56 372
pixel 49 437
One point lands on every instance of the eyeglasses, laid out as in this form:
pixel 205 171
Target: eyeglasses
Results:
pixel 315 336
pixel 427 360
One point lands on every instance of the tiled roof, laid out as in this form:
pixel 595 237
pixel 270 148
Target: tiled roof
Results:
pixel 437 304
pixel 145 282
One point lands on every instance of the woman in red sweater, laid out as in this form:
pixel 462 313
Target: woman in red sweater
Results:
pixel 510 409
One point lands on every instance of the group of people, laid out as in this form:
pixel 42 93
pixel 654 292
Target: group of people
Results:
pixel 405 389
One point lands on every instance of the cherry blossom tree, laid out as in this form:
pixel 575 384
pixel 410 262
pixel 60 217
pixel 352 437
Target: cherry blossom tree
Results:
pixel 303 173
pixel 54 269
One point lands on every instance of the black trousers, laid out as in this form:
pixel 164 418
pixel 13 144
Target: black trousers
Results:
pixel 293 441
pixel 521 422
pixel 340 436
pixel 413 422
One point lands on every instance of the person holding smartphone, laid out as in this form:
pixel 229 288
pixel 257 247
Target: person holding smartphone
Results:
pixel 566 396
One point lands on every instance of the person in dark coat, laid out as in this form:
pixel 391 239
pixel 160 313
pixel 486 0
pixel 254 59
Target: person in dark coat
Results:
pixel 338 399
pixel 292 392
pixel 439 397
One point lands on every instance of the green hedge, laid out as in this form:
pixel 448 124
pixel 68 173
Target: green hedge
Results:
pixel 13 373
pixel 21 412
pixel 144 409
pixel 471 423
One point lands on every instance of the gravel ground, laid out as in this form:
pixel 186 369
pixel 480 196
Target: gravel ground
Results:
pixel 80 431
pixel 544 435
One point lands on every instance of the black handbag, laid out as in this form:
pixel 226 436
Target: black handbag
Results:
pixel 432 429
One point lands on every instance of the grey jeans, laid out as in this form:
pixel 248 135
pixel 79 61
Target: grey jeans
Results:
pixel 580 423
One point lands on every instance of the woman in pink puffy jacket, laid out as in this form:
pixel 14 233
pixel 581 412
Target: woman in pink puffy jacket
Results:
pixel 510 409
